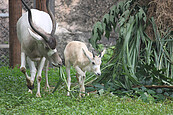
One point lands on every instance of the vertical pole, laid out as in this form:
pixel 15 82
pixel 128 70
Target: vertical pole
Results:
pixel 15 11
pixel 41 5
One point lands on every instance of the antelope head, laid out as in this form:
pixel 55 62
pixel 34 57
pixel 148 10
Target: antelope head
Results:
pixel 95 61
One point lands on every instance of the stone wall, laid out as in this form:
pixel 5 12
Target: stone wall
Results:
pixel 81 14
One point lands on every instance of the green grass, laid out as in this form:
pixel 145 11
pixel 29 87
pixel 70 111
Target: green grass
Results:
pixel 14 99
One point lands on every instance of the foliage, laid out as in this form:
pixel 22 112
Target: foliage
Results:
pixel 14 99
pixel 135 57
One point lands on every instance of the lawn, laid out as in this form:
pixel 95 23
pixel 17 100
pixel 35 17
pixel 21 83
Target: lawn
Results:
pixel 14 99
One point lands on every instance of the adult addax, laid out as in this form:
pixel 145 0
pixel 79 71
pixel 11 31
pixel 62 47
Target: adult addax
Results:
pixel 35 31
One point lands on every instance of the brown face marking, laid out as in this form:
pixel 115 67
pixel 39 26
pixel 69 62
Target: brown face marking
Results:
pixel 52 42
pixel 97 60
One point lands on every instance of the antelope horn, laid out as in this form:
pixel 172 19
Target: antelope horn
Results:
pixel 93 54
pixel 38 30
pixel 51 16
pixel 102 53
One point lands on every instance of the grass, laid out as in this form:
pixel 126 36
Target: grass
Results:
pixel 14 99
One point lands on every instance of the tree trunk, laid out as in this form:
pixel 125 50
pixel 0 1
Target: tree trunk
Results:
pixel 15 11
pixel 41 5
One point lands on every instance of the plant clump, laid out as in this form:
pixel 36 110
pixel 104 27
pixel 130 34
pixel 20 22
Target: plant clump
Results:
pixel 142 54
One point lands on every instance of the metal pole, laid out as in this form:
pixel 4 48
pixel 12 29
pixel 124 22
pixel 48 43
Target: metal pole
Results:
pixel 15 11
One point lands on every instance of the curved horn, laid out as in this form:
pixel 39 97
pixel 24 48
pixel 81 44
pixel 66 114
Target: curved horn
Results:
pixel 51 16
pixel 33 26
pixel 102 53
pixel 93 54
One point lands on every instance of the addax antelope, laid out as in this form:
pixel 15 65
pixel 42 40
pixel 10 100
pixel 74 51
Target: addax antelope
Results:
pixel 35 31
pixel 77 55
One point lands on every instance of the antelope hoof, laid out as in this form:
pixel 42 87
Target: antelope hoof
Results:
pixel 31 87
pixel 68 93
pixel 38 95
pixel 47 88
pixel 30 91
pixel 82 95
pixel 23 70
pixel 30 84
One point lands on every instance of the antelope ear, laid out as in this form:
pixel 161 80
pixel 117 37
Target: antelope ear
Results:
pixel 102 53
pixel 35 36
pixel 86 55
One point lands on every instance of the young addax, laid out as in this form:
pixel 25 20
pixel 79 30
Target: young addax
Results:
pixel 76 54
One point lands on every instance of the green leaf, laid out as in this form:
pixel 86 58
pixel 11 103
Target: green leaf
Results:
pixel 112 18
pixel 106 18
pixel 97 33
pixel 159 91
pixel 151 92
pixel 125 14
pixel 128 35
pixel 122 21
pixel 142 14
pixel 99 86
pixel 98 26
pixel 101 91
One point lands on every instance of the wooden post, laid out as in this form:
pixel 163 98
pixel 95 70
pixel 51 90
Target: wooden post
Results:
pixel 41 5
pixel 15 11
